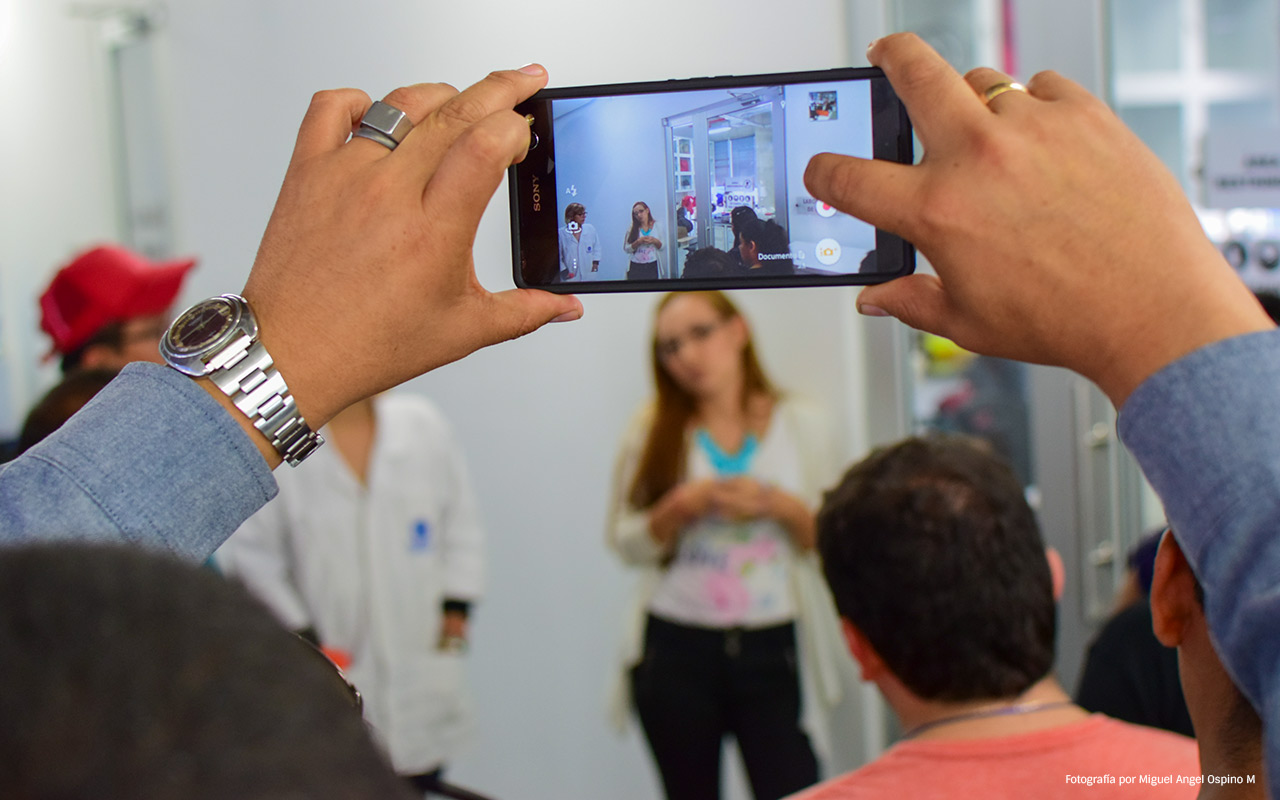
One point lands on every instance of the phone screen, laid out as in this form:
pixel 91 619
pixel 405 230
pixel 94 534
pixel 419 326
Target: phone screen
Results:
pixel 700 184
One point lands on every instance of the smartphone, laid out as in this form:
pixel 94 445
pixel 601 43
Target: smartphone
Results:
pixel 699 184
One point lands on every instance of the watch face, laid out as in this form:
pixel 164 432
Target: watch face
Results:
pixel 200 326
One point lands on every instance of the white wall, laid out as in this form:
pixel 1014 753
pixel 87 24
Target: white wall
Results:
pixel 56 191
pixel 538 417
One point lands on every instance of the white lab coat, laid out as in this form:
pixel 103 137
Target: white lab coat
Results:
pixel 368 567
pixel 577 255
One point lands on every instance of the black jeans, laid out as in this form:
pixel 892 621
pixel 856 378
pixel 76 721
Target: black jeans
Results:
pixel 694 686
pixel 642 272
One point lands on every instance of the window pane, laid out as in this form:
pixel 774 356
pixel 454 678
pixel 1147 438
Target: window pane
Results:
pixel 743 153
pixel 1145 35
pixel 1161 128
pixel 1240 34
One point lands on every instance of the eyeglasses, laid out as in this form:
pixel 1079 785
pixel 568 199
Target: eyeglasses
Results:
pixel 669 348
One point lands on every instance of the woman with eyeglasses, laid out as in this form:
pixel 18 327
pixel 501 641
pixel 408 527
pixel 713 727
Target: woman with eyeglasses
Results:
pixel 713 501
pixel 643 243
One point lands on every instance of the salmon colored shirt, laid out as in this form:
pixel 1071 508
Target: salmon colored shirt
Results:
pixel 1098 758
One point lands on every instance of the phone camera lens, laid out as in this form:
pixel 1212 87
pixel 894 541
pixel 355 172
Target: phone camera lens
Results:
pixel 533 140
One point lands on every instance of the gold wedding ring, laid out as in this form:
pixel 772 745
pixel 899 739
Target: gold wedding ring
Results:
pixel 1000 88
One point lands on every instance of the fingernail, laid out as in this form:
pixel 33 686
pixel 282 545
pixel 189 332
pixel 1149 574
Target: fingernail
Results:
pixel 568 316
pixel 532 69
pixel 873 44
pixel 868 310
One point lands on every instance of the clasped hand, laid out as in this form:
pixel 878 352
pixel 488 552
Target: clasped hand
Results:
pixel 738 499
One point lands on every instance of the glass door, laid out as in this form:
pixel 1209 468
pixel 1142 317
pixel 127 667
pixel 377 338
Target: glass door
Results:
pixel 722 157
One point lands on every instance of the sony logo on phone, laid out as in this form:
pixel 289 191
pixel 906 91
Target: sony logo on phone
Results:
pixel 537 195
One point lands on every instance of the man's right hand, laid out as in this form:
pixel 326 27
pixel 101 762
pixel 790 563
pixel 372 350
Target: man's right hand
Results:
pixel 365 277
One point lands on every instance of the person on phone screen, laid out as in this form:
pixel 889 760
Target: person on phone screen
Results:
pixel 375 553
pixel 765 249
pixel 644 244
pixel 713 501
pixel 708 262
pixel 739 217
pixel 579 245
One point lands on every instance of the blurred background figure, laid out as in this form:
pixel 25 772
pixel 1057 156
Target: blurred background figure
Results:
pixel 110 306
pixel 985 397
pixel 1128 674
pixel 106 308
pixel 128 675
pixel 374 552
pixel 732 632
pixel 60 403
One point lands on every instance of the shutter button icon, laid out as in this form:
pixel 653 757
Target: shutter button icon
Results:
pixel 828 251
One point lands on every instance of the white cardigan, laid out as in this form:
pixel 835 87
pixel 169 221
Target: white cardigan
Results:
pixel 825 663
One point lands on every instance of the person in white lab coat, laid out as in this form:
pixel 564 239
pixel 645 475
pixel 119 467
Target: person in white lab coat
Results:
pixel 579 245
pixel 375 548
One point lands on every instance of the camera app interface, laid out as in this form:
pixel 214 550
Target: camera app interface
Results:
pixel 707 184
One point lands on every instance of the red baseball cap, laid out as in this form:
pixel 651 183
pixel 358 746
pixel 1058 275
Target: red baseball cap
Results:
pixel 104 285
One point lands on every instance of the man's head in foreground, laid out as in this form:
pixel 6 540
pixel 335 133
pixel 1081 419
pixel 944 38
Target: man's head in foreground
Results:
pixel 938 570
pixel 127 674
pixel 1227 727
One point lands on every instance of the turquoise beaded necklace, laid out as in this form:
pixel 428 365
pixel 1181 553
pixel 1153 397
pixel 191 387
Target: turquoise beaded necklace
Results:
pixel 738 463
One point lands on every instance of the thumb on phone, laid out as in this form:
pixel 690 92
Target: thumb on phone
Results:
pixel 917 300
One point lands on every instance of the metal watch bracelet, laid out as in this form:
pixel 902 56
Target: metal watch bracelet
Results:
pixel 243 371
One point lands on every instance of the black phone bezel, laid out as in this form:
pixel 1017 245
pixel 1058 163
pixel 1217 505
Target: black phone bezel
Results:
pixel 891 140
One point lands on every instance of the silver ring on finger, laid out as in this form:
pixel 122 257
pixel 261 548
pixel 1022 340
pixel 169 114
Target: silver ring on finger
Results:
pixel 384 124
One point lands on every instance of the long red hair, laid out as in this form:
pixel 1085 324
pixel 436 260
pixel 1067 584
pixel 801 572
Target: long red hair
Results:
pixel 662 463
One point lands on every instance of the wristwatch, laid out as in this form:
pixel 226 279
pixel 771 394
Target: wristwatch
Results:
pixel 218 339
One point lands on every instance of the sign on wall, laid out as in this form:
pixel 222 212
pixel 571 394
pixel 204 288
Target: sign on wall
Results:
pixel 1242 168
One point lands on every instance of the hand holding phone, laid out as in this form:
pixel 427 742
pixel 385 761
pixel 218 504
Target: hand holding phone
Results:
pixel 702 180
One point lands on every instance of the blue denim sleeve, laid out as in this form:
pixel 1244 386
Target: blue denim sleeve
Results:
pixel 1206 430
pixel 153 460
